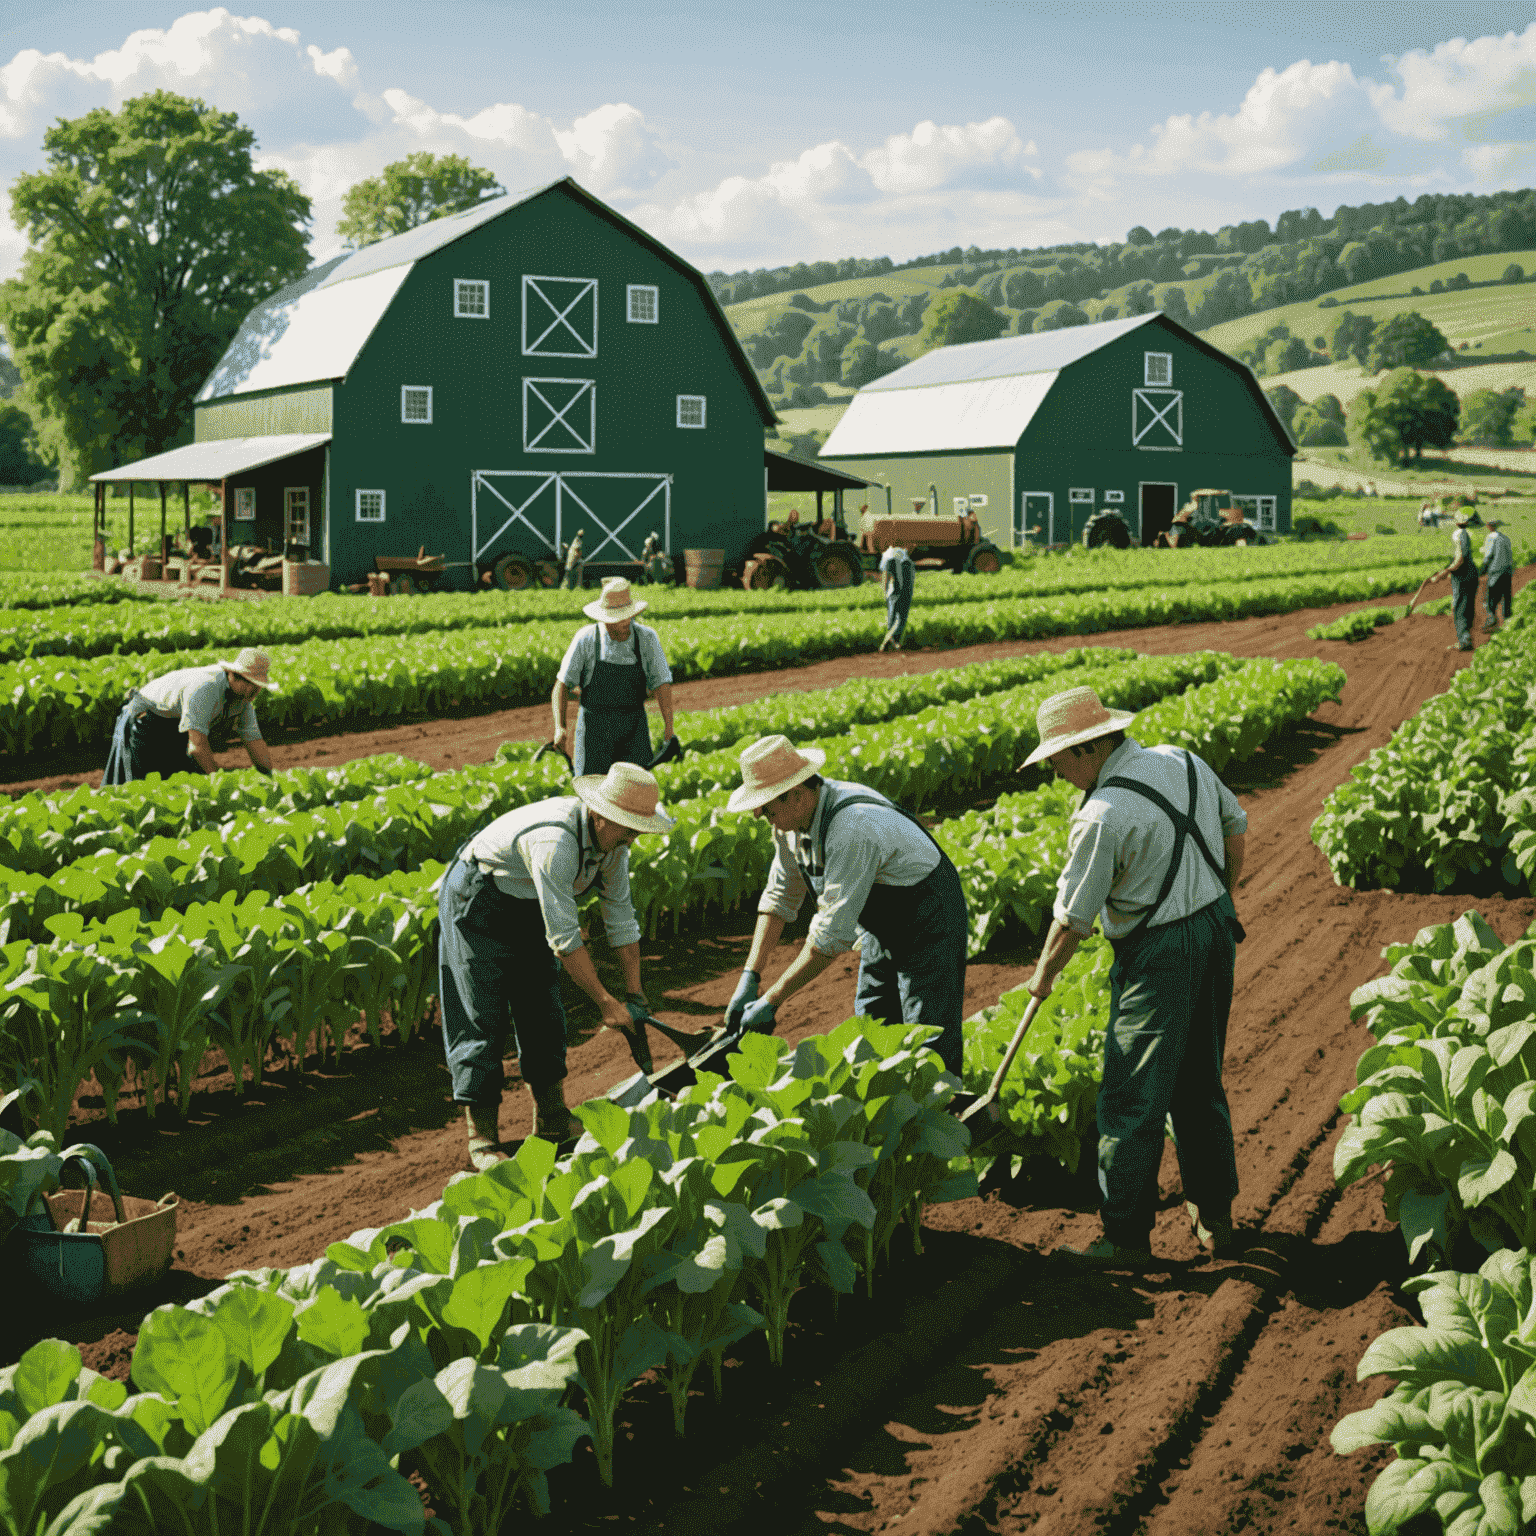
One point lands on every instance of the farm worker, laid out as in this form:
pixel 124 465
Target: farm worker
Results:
pixel 573 561
pixel 165 726
pixel 1463 574
pixel 508 925
pixel 878 879
pixel 897 576
pixel 1499 569
pixel 648 553
pixel 1155 851
pixel 615 663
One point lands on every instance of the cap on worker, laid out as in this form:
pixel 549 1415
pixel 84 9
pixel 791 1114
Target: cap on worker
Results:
pixel 1071 718
pixel 253 666
pixel 771 766
pixel 1463 517
pixel 627 794
pixel 615 602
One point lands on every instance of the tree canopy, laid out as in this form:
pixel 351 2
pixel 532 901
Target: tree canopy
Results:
pixel 151 236
pixel 1408 413
pixel 1407 340
pixel 1488 416
pixel 959 315
pixel 413 191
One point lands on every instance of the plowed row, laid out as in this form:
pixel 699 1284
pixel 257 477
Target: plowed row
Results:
pixel 988 1386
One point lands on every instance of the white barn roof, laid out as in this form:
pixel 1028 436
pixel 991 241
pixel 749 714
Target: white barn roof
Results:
pixel 315 327
pixel 218 459
pixel 980 394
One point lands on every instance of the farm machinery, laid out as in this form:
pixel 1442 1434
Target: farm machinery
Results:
pixel 1209 519
pixel 935 543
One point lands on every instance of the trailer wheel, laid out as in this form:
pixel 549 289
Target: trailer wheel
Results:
pixel 836 565
pixel 512 573
pixel 984 559
pixel 402 584
pixel 547 573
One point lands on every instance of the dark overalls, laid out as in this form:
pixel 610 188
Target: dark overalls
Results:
pixel 144 743
pixel 495 967
pixel 1464 590
pixel 916 940
pixel 611 726
pixel 898 599
pixel 1170 999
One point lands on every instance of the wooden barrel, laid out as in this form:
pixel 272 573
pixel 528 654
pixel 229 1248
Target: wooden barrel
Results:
pixel 702 567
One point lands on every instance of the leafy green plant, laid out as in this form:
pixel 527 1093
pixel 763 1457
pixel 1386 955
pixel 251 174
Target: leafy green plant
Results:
pixel 1462 1415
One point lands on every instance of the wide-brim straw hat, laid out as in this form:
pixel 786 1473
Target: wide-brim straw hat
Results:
pixel 615 602
pixel 253 665
pixel 627 794
pixel 1071 718
pixel 771 766
pixel 1463 518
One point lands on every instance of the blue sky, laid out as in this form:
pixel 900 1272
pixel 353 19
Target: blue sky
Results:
pixel 757 135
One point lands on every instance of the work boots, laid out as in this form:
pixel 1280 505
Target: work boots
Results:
pixel 551 1119
pixel 484 1135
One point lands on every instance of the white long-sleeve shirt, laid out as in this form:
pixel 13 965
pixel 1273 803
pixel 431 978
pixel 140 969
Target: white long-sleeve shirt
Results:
pixel 869 845
pixel 198 698
pixel 553 865
pixel 1120 843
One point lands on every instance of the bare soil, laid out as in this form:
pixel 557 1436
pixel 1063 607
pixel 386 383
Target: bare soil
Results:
pixel 988 1386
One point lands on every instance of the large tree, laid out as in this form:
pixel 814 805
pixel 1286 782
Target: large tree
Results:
pixel 1408 413
pixel 1407 340
pixel 151 236
pixel 413 191
pixel 960 315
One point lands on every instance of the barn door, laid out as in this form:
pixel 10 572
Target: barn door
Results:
pixel 1159 501
pixel 1034 525
pixel 534 512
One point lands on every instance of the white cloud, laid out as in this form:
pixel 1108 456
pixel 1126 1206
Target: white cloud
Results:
pixel 1459 82
pixel 934 156
pixel 614 150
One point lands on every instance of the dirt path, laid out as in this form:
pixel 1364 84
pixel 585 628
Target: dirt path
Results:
pixel 987 1387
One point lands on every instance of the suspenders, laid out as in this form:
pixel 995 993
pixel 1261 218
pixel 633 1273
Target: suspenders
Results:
pixel 1183 827
pixel 856 799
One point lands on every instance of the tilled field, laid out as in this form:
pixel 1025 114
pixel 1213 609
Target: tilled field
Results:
pixel 988 1386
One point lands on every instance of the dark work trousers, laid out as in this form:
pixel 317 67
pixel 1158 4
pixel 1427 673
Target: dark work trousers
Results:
pixel 144 743
pixel 898 602
pixel 1500 593
pixel 912 966
pixel 1170 998
pixel 611 727
pixel 1464 604
pixel 495 968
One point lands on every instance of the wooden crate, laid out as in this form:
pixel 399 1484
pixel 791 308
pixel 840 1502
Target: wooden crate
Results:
pixel 304 578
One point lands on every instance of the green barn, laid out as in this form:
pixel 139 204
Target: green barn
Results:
pixel 485 386
pixel 1033 434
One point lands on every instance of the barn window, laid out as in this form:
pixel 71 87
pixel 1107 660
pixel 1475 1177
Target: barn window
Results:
pixel 559 316
pixel 1260 509
pixel 1159 368
pixel 690 410
pixel 296 513
pixel 416 404
pixel 1080 493
pixel 559 416
pixel 1114 495
pixel 1157 419
pixel 245 504
pixel 370 506
pixel 642 304
pixel 977 501
pixel 471 299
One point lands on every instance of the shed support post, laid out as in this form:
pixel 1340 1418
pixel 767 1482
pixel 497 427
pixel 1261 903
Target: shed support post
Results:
pixel 162 530
pixel 186 516
pixel 223 537
pixel 99 529
pixel 130 519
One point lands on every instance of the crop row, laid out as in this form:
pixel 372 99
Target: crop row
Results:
pixel 1446 1109
pixel 94 991
pixel 443 1347
pixel 151 627
pixel 40 832
pixel 1453 793
pixel 48 703
pixel 936 752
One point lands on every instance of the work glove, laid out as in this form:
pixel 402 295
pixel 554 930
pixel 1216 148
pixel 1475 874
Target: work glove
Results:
pixel 635 1036
pixel 758 1017
pixel 746 992
pixel 639 1007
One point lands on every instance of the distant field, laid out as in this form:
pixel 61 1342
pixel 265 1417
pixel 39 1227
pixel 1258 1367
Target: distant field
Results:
pixel 751 315
pixel 1346 380
pixel 53 533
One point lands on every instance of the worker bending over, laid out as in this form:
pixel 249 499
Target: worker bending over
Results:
pixel 509 925
pixel 878 879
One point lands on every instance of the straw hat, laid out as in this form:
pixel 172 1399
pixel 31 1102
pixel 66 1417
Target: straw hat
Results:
pixel 1463 518
pixel 615 602
pixel 252 665
pixel 1071 718
pixel 627 794
pixel 769 767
